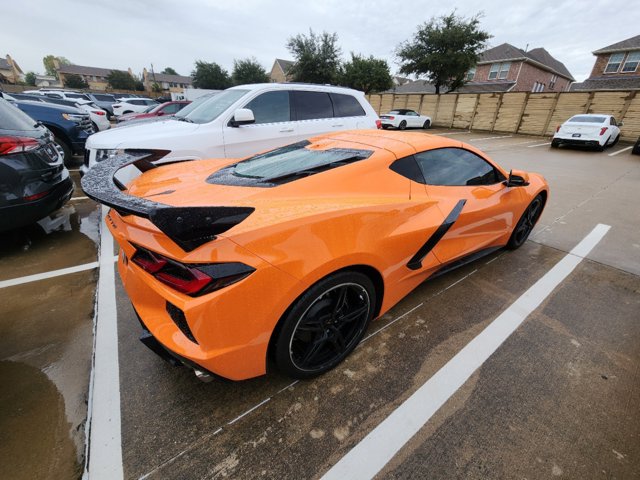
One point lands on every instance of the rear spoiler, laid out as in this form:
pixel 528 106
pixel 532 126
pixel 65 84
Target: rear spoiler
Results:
pixel 187 227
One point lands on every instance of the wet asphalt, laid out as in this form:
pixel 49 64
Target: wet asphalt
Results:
pixel 559 399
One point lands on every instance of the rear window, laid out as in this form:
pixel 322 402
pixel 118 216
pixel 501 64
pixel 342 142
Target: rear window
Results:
pixel 587 119
pixel 346 106
pixel 312 105
pixel 285 164
pixel 104 98
pixel 11 118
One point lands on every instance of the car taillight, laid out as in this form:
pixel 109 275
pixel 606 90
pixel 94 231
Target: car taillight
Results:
pixel 98 113
pixel 603 130
pixel 37 196
pixel 391 117
pixel 192 280
pixel 378 124
pixel 10 145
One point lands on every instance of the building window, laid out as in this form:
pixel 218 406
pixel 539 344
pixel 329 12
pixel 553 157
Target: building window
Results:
pixel 631 64
pixel 499 70
pixel 470 74
pixel 614 63
pixel 552 82
pixel 538 87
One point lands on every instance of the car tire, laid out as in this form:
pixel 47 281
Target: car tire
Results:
pixel 555 143
pixel 600 148
pixel 615 141
pixel 402 125
pixel 526 223
pixel 66 149
pixel 427 125
pixel 324 324
pixel 95 127
pixel 636 148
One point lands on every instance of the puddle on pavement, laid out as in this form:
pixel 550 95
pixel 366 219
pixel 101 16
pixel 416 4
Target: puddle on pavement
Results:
pixel 66 239
pixel 34 433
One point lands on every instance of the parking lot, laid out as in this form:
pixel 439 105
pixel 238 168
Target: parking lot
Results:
pixel 440 388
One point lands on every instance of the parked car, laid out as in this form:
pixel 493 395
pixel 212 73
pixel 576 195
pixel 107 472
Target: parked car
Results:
pixel 60 94
pixel 98 117
pixel 131 105
pixel 588 130
pixel 33 179
pixel 636 148
pixel 103 100
pixel 153 111
pixel 322 236
pixel 239 121
pixel 70 126
pixel 403 118
pixel 118 96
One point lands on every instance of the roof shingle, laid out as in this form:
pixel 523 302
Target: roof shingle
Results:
pixel 632 43
pixel 507 52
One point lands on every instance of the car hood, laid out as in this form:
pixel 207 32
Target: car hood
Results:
pixel 157 135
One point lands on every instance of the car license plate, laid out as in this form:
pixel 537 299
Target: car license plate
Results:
pixel 575 135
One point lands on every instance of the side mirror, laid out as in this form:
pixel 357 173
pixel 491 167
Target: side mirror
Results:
pixel 620 124
pixel 517 180
pixel 242 116
pixel 160 113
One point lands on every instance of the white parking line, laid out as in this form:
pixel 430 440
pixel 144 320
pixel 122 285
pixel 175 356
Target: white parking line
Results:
pixel 620 151
pixel 104 445
pixel 452 133
pixel 489 138
pixel 369 456
pixel 539 145
pixel 77 198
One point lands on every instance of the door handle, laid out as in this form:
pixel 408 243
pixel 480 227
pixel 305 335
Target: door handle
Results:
pixel 286 130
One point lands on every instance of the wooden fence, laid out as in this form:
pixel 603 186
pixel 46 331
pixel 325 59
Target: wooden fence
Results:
pixel 518 112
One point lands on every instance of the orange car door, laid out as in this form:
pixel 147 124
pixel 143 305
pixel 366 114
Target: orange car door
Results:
pixel 472 197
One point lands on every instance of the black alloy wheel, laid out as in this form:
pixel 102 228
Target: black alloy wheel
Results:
pixel 403 125
pixel 66 149
pixel 526 223
pixel 325 324
pixel 427 125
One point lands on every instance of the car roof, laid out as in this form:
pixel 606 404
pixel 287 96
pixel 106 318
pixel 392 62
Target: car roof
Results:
pixel 297 86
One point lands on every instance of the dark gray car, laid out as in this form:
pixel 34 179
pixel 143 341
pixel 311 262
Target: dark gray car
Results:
pixel 104 101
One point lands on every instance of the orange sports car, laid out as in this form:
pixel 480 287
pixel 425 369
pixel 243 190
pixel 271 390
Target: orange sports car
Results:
pixel 285 257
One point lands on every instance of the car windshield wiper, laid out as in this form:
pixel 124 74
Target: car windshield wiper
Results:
pixel 182 119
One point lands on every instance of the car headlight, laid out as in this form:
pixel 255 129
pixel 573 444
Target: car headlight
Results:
pixel 73 117
pixel 107 153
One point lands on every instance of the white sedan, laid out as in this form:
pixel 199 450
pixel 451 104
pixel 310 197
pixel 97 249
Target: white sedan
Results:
pixel 588 130
pixel 403 118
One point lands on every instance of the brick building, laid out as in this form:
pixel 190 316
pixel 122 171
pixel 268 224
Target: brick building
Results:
pixel 170 83
pixel 10 71
pixel 95 77
pixel 616 67
pixel 506 68
pixel 280 70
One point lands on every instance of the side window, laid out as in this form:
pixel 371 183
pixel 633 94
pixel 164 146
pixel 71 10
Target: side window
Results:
pixel 346 106
pixel 312 105
pixel 456 166
pixel 271 107
pixel 172 108
pixel 613 122
pixel 54 95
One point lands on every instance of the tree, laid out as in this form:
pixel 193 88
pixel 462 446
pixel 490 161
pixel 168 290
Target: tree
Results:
pixel 30 78
pixel 169 71
pixel 156 87
pixel 366 74
pixel 210 75
pixel 443 49
pixel 121 80
pixel 248 71
pixel 138 85
pixel 74 81
pixel 49 65
pixel 317 57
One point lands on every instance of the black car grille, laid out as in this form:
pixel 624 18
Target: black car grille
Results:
pixel 87 152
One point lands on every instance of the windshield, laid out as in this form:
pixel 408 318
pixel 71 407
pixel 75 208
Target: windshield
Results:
pixel 11 118
pixel 151 108
pixel 293 159
pixel 587 119
pixel 210 107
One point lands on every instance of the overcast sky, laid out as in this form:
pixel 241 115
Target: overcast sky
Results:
pixel 136 33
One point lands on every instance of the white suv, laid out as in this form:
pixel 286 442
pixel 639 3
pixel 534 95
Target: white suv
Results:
pixel 238 122
pixel 132 105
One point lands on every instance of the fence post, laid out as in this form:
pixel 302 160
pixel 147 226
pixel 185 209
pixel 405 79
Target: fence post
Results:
pixel 627 102
pixel 435 116
pixel 475 109
pixel 588 105
pixel 551 112
pixel 455 106
pixel 495 115
pixel 524 107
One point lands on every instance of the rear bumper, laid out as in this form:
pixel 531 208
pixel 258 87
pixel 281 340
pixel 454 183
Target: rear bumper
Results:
pixel 16 216
pixel 578 142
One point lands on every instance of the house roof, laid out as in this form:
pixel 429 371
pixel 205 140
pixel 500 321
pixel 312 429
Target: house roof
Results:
pixel 163 77
pixel 486 87
pixel 417 86
pixel 632 43
pixel 285 65
pixel 507 52
pixel 608 83
pixel 4 65
pixel 82 70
